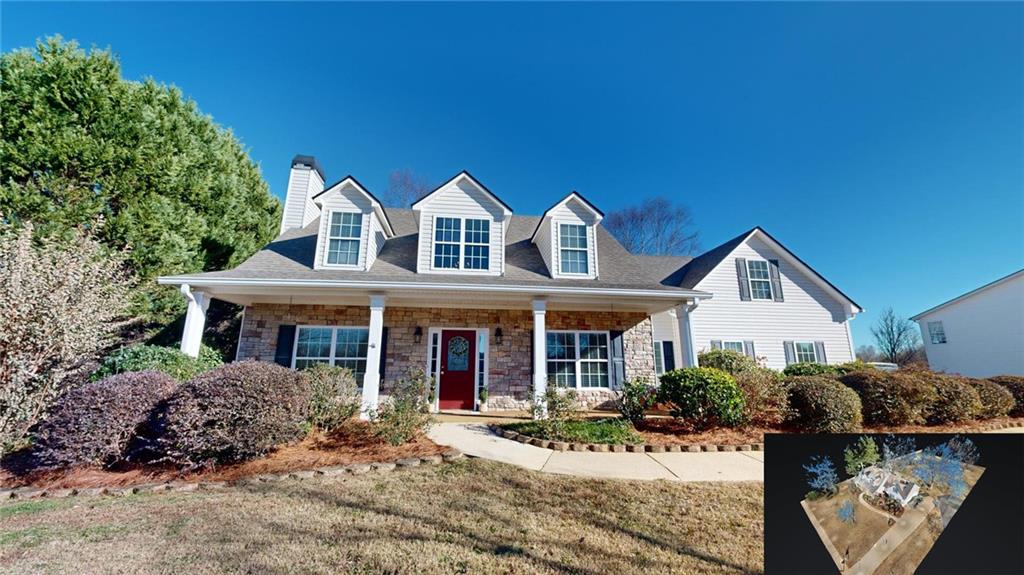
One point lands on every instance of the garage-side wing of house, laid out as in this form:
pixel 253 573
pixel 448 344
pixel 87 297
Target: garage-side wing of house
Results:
pixel 767 304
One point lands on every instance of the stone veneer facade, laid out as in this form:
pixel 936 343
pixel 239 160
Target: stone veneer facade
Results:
pixel 509 369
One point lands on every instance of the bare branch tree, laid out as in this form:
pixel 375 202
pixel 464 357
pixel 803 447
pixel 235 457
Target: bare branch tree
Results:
pixel 867 353
pixel 656 227
pixel 897 338
pixel 404 188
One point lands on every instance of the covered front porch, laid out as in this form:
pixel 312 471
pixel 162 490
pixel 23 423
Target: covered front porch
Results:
pixel 495 350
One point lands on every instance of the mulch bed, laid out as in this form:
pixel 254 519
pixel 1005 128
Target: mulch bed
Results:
pixel 667 431
pixel 967 427
pixel 354 444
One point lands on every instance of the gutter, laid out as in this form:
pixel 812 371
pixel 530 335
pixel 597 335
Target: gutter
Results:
pixel 350 284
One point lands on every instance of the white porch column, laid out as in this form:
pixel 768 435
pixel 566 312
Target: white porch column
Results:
pixel 686 333
pixel 371 380
pixel 540 364
pixel 195 320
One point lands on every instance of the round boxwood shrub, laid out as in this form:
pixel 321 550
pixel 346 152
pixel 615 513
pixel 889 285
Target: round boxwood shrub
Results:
pixel 855 365
pixel 823 405
pixel 996 400
pixel 158 358
pixel 727 360
pixel 233 413
pixel 703 395
pixel 95 424
pixel 764 396
pixel 956 400
pixel 1015 385
pixel 891 398
pixel 809 368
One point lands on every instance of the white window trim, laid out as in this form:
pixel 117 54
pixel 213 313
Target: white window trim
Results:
pixel 482 334
pixel 578 361
pixel 796 352
pixel 327 241
pixel 931 334
pixel 334 340
pixel 751 280
pixel 659 346
pixel 739 341
pixel 462 243
pixel 585 250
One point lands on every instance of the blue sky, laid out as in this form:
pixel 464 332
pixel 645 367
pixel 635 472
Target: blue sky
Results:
pixel 883 143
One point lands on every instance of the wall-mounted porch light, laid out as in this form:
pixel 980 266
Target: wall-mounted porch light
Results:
pixel 498 335
pixel 417 334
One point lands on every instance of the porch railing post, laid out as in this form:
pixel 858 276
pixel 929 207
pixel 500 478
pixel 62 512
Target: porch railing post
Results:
pixel 371 379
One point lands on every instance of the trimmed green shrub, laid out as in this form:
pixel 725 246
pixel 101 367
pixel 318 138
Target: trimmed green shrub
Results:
pixel 727 360
pixel 765 402
pixel 703 395
pixel 233 413
pixel 855 365
pixel 1015 385
pixel 157 358
pixel 96 423
pixel 637 397
pixel 891 398
pixel 823 405
pixel 406 412
pixel 334 396
pixel 809 368
pixel 956 399
pixel 996 400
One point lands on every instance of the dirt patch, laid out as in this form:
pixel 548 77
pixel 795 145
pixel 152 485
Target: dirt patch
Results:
pixel 353 444
pixel 674 432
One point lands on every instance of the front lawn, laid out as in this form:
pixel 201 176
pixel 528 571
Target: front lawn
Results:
pixel 611 431
pixel 469 517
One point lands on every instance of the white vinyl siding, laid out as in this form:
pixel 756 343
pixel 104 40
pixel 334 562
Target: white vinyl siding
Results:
pixel 665 327
pixel 808 313
pixel 463 201
pixel 348 200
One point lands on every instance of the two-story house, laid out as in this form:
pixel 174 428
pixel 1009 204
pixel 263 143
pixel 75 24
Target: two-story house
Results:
pixel 481 298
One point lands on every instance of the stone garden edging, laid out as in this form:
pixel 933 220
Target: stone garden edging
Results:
pixel 623 447
pixel 333 471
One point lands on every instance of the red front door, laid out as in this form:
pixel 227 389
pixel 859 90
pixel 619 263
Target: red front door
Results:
pixel 458 369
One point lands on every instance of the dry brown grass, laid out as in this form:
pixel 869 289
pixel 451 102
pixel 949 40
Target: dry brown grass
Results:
pixel 469 517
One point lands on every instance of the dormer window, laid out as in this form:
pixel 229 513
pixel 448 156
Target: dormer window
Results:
pixel 573 249
pixel 478 242
pixel 468 238
pixel 447 234
pixel 343 238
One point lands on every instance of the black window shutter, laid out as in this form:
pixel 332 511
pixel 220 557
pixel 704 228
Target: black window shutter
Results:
pixel 383 352
pixel 748 348
pixel 618 371
pixel 773 271
pixel 285 345
pixel 741 276
pixel 668 355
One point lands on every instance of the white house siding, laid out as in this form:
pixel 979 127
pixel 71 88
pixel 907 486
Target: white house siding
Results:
pixel 461 200
pixel 376 240
pixel 299 209
pixel 543 243
pixel 984 332
pixel 807 314
pixel 347 199
pixel 572 212
pixel 665 327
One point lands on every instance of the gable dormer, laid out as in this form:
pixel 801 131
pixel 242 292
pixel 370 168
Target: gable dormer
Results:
pixel 567 238
pixel 462 227
pixel 353 227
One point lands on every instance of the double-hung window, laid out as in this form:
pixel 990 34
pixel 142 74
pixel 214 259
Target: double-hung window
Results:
pixel 663 357
pixel 339 346
pixel 733 345
pixel 805 352
pixel 578 359
pixel 936 332
pixel 343 237
pixel 760 279
pixel 462 244
pixel 572 246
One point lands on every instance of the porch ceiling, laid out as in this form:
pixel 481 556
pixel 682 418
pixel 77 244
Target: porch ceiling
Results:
pixel 449 296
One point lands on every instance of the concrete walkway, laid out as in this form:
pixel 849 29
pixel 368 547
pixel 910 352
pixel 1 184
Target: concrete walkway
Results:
pixel 478 441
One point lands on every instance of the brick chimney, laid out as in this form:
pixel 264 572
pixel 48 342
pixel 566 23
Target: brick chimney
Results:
pixel 305 180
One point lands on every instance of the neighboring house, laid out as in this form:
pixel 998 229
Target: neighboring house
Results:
pixel 980 333
pixel 767 304
pixel 480 298
pixel 876 481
